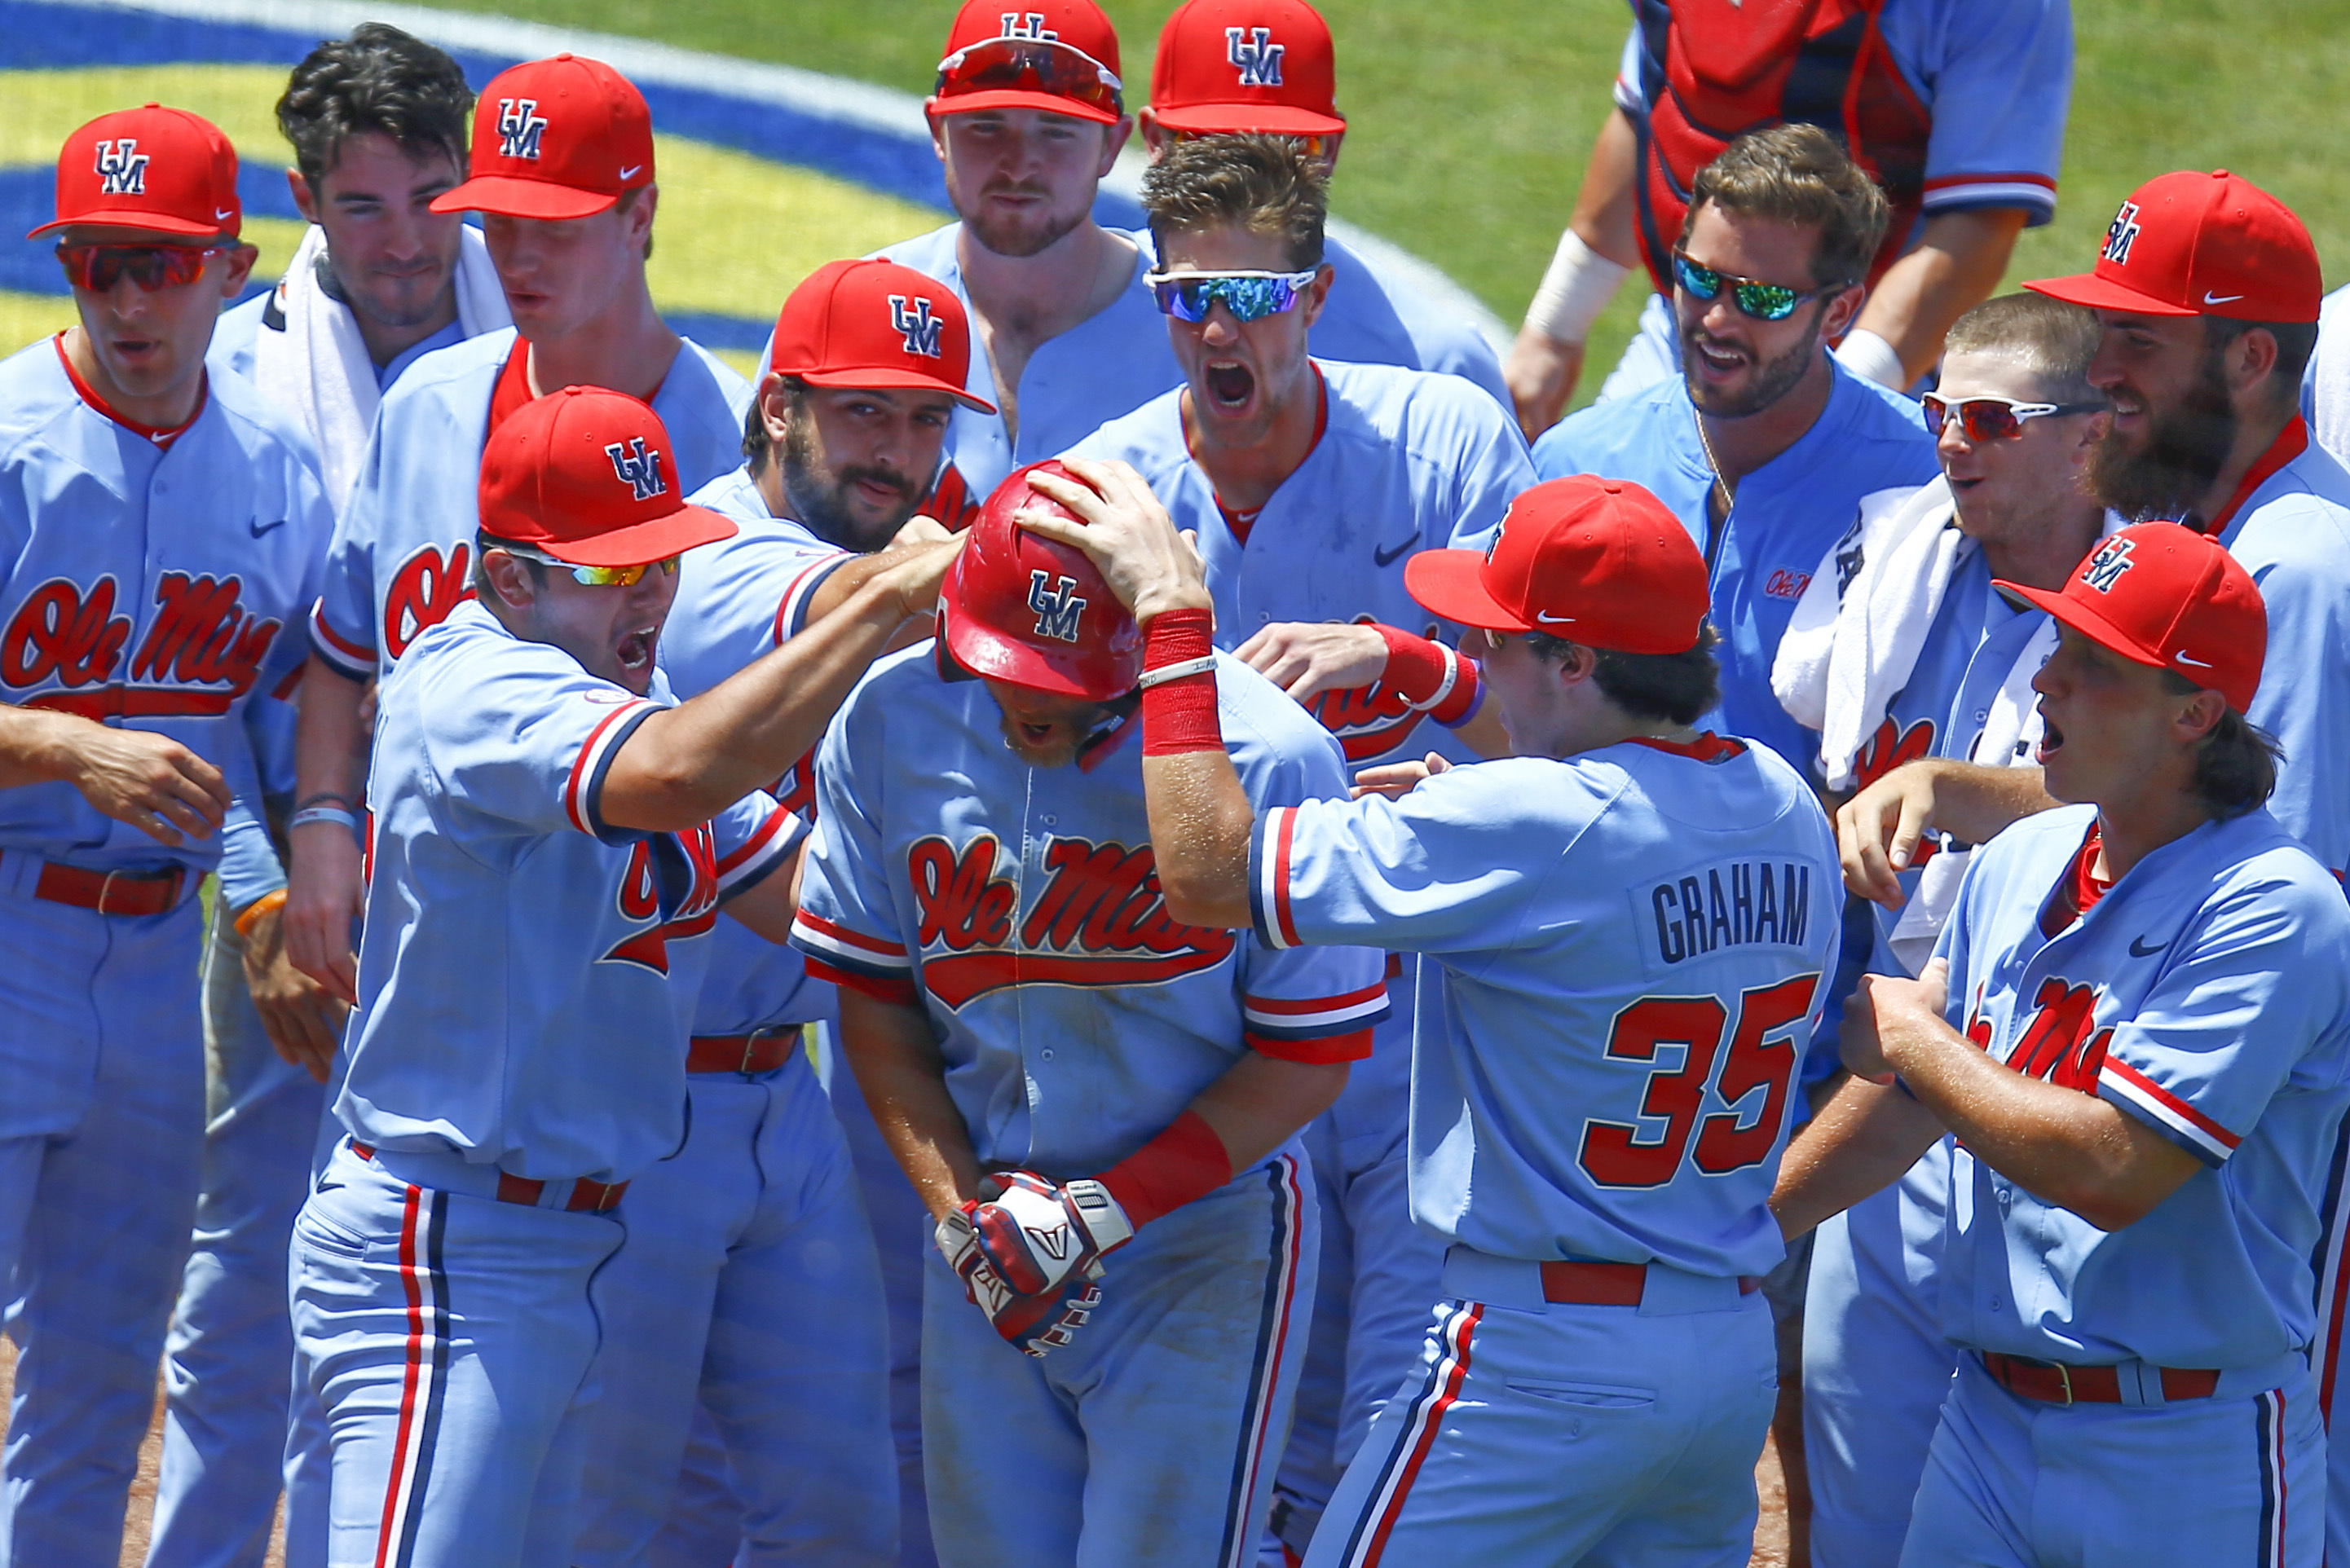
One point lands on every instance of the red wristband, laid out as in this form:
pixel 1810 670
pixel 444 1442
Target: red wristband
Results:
pixel 1430 677
pixel 1180 715
pixel 1186 1161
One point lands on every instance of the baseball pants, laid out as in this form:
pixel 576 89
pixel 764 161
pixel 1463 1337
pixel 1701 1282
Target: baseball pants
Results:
pixel 2017 1483
pixel 901 1238
pixel 101 1125
pixel 1151 1441
pixel 1540 1435
pixel 1378 1279
pixel 227 1364
pixel 1876 1366
pixel 450 1337
pixel 748 1278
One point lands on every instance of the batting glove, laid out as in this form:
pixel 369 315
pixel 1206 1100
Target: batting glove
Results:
pixel 1039 1236
pixel 1032 1324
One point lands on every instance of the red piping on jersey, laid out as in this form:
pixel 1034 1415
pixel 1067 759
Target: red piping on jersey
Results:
pixel 161 437
pixel 2290 444
pixel 1708 747
pixel 512 394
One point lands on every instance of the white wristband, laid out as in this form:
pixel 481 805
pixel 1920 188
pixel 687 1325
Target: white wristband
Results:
pixel 1575 289
pixel 1181 670
pixel 1864 353
pixel 311 814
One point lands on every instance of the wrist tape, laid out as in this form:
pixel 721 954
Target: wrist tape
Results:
pixel 1179 712
pixel 1430 677
pixel 1186 1161
pixel 1574 289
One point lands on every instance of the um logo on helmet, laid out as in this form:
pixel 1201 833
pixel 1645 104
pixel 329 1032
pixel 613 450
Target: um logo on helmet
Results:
pixel 637 468
pixel 1057 606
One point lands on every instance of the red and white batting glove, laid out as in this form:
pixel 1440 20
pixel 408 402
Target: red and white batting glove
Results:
pixel 1032 1324
pixel 1039 1236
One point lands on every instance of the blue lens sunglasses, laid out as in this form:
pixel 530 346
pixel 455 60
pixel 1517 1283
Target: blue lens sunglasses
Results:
pixel 1763 301
pixel 1187 296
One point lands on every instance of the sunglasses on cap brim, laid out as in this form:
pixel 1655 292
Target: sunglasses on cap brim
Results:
pixel 1994 419
pixel 1031 64
pixel 99 268
pixel 1763 301
pixel 1188 296
pixel 597 576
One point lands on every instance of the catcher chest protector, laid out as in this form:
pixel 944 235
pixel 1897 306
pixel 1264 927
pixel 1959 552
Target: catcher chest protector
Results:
pixel 1715 69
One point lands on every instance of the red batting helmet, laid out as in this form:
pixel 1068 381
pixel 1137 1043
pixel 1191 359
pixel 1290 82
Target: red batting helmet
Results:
pixel 1024 609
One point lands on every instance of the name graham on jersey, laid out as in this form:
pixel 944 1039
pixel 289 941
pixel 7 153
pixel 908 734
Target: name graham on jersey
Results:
pixel 1730 903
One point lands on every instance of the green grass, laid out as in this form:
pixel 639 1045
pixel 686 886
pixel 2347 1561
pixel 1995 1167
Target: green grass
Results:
pixel 1469 123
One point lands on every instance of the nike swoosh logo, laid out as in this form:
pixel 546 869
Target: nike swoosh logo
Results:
pixel 222 216
pixel 630 172
pixel 259 527
pixel 2210 298
pixel 1549 619
pixel 2138 952
pixel 2189 658
pixel 1388 557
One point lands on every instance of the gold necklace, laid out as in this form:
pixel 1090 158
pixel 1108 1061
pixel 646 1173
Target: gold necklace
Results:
pixel 1729 495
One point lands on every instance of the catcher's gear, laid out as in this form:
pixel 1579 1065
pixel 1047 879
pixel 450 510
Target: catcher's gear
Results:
pixel 1030 611
pixel 1034 1324
pixel 1038 1235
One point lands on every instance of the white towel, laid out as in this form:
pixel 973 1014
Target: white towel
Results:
pixel 317 369
pixel 1862 621
pixel 2327 385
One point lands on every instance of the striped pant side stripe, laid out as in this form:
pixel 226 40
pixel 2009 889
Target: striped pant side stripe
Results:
pixel 2326 1264
pixel 1273 1325
pixel 1416 1436
pixel 423 1221
pixel 2268 1424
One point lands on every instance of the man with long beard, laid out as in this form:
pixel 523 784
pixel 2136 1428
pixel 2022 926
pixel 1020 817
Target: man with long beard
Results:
pixel 2208 290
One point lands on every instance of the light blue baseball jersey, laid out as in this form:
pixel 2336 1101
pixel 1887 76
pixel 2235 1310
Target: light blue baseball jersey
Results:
pixel 527 970
pixel 2208 995
pixel 1371 318
pixel 1788 512
pixel 737 600
pixel 157 588
pixel 402 556
pixel 1996 77
pixel 1620 962
pixel 1113 361
pixel 2292 532
pixel 1020 908
pixel 1406 461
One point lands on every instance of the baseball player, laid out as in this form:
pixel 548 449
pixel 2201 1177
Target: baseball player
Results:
pixel 2137 1025
pixel 549 830
pixel 2209 291
pixel 562 168
pixel 160 529
pixel 1918 657
pixel 761 1205
pixel 1622 932
pixel 1066 1072
pixel 1269 66
pixel 1027 116
pixel 1309 492
pixel 1955 107
pixel 1765 443
pixel 378 125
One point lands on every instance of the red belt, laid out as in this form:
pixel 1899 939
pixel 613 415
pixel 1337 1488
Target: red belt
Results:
pixel 2054 1383
pixel 590 1197
pixel 761 1051
pixel 111 892
pixel 1609 1284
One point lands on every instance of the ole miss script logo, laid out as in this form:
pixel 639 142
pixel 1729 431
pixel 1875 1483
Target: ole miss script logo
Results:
pixel 674 871
pixel 427 587
pixel 202 653
pixel 2062 1043
pixel 1100 920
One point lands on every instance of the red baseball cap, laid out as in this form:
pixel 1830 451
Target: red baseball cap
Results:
pixel 163 170
pixel 875 323
pixel 555 139
pixel 589 476
pixel 1246 65
pixel 2168 596
pixel 2192 243
pixel 1059 56
pixel 1595 561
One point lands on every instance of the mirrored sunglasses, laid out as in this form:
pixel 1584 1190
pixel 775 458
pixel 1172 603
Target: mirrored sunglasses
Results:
pixel 598 576
pixel 1249 295
pixel 1763 301
pixel 99 268
pixel 1031 64
pixel 1994 419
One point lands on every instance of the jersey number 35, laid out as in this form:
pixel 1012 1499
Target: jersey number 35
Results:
pixel 1615 1155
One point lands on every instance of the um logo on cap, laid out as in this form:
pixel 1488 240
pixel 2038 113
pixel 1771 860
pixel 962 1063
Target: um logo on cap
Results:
pixel 1028 25
pixel 637 468
pixel 1254 54
pixel 1057 608
pixel 919 326
pixel 2106 566
pixel 121 168
pixel 520 125
pixel 2120 234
